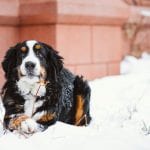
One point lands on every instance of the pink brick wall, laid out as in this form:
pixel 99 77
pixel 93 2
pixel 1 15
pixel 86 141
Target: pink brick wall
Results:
pixel 88 34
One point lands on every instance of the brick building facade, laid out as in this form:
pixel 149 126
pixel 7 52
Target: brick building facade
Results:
pixel 89 34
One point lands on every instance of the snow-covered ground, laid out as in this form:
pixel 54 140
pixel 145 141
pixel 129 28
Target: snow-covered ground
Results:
pixel 120 108
pixel 131 64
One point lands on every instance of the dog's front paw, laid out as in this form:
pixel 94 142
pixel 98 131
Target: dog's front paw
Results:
pixel 29 126
pixel 15 123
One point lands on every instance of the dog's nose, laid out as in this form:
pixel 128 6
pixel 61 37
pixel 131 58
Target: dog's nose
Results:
pixel 29 65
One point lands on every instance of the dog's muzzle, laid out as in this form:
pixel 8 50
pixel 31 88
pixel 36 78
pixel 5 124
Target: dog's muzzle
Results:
pixel 30 67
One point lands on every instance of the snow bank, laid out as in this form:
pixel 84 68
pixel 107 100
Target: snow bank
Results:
pixel 131 64
pixel 120 110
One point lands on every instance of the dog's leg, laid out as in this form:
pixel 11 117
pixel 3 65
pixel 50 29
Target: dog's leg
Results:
pixel 45 118
pixel 48 114
pixel 82 101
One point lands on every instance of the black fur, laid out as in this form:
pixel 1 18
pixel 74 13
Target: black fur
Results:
pixel 61 91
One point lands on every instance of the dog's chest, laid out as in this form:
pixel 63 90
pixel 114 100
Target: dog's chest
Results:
pixel 30 105
pixel 35 89
pixel 30 93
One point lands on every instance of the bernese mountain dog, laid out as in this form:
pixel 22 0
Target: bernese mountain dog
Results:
pixel 39 90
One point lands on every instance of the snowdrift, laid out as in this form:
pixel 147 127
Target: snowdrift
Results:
pixel 120 110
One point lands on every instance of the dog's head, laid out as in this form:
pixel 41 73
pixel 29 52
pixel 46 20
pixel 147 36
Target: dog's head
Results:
pixel 32 60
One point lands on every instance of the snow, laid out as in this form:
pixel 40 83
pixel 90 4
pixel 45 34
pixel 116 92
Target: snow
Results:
pixel 145 13
pixel 131 64
pixel 120 108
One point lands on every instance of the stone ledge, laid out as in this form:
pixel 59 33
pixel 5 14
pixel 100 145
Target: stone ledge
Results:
pixel 9 12
pixel 82 12
pixel 74 12
pixel 9 20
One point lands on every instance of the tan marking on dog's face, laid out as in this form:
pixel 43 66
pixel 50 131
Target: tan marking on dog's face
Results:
pixel 37 46
pixel 23 48
pixel 43 74
pixel 79 109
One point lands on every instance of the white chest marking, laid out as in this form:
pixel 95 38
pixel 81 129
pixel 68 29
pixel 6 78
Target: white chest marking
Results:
pixel 29 105
pixel 30 86
pixel 29 92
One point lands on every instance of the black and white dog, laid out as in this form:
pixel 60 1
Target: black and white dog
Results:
pixel 39 91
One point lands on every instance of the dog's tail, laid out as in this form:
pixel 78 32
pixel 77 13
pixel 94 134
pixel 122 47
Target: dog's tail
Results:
pixel 82 93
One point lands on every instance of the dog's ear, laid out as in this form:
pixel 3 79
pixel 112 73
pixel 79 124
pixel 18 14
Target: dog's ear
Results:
pixel 9 61
pixel 55 61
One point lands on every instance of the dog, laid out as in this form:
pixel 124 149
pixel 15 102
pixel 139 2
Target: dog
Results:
pixel 39 90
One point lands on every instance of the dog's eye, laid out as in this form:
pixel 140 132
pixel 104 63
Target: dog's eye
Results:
pixel 37 46
pixel 23 49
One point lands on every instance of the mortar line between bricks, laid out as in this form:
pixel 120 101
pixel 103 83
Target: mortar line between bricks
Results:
pixel 93 63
